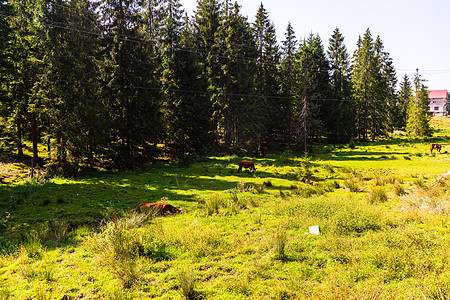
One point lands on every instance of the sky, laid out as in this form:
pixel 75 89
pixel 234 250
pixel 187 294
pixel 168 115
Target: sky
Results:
pixel 416 33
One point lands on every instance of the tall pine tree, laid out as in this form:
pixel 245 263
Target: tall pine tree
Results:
pixel 364 82
pixel 338 111
pixel 27 47
pixel 130 92
pixel 72 115
pixel 418 123
pixel 235 104
pixel 312 88
pixel 289 51
pixel 402 103
pixel 206 27
pixel 268 80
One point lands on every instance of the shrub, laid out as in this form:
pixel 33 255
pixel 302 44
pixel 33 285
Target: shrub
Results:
pixel 261 188
pixel 329 168
pixel 268 183
pixel 352 218
pixel 420 182
pixel 155 249
pixel 305 173
pixel 351 145
pixel 379 180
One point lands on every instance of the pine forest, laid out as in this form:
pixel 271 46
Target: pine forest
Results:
pixel 125 81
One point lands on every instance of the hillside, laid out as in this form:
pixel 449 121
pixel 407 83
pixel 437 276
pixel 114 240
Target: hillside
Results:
pixel 382 211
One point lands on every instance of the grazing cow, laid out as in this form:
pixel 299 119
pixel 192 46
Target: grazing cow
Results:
pixel 246 164
pixel 161 208
pixel 435 146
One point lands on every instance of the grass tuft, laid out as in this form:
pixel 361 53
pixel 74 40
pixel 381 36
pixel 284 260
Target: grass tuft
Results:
pixel 187 282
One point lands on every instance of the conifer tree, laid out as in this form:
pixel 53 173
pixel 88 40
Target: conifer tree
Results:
pixel 131 92
pixel 28 30
pixel 267 79
pixel 401 105
pixel 186 109
pixel 207 23
pixel 71 114
pixel 338 112
pixel 385 90
pixel 6 68
pixel 154 15
pixel 364 82
pixel 373 80
pixel 289 50
pixel 418 120
pixel 313 88
pixel 195 109
pixel 236 108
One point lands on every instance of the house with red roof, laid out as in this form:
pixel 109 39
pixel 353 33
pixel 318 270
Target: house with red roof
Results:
pixel 438 102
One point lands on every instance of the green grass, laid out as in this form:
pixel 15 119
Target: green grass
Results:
pixel 383 223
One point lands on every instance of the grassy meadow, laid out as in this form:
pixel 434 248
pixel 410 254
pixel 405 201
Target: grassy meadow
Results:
pixel 382 209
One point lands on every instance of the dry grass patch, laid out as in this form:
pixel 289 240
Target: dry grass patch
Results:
pixel 433 199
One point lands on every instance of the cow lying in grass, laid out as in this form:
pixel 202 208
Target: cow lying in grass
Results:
pixel 435 146
pixel 160 209
pixel 246 164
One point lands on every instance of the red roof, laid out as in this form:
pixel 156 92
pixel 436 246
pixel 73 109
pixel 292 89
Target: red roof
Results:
pixel 438 94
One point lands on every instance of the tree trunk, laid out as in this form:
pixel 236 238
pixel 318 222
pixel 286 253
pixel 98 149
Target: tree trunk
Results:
pixel 34 138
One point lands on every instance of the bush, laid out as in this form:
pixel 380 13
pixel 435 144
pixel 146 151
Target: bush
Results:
pixel 305 173
pixel 351 218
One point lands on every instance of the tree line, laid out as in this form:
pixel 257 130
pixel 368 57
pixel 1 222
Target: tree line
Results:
pixel 116 79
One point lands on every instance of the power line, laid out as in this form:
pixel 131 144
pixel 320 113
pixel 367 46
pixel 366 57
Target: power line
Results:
pixel 206 93
pixel 126 38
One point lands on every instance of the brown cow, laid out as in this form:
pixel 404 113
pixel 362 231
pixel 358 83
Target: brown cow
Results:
pixel 162 209
pixel 435 146
pixel 246 164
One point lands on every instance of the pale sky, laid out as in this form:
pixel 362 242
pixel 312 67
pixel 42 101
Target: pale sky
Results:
pixel 416 33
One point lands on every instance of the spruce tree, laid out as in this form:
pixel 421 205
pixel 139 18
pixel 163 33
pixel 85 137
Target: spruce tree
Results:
pixel 206 27
pixel 195 109
pixel 6 67
pixel 401 105
pixel 313 87
pixel 338 112
pixel 364 83
pixel 27 48
pixel 268 79
pixel 72 116
pixel 386 82
pixel 130 93
pixel 186 109
pixel 418 123
pixel 289 51
pixel 235 106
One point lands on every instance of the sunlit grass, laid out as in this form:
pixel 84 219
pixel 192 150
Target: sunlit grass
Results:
pixel 242 236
